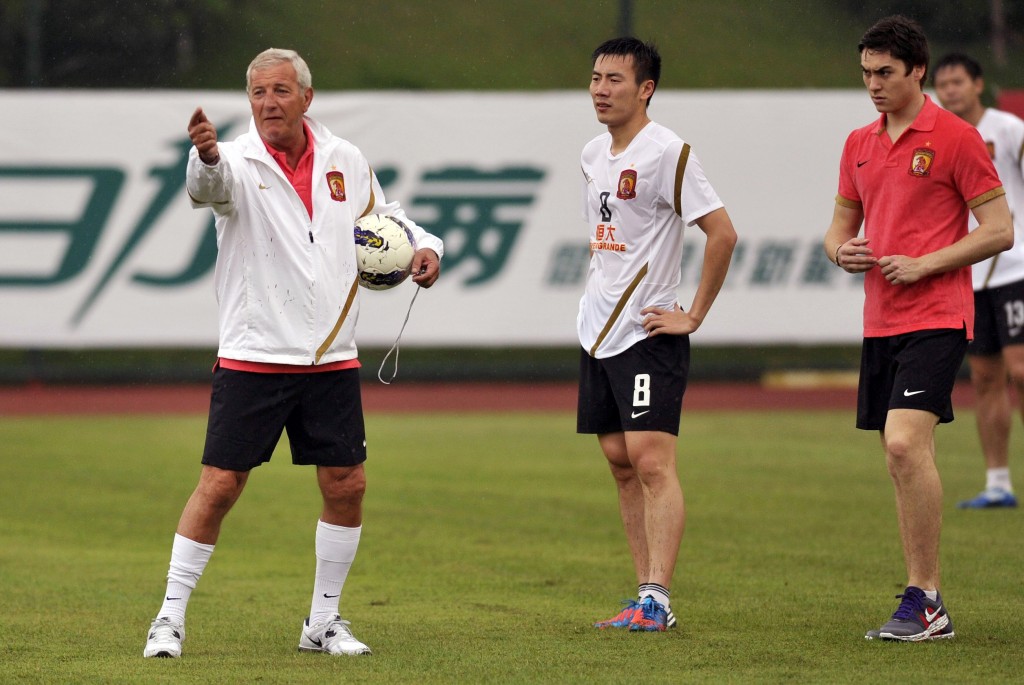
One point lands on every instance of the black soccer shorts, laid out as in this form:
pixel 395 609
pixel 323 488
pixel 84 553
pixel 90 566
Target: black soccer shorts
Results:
pixel 914 370
pixel 998 319
pixel 640 389
pixel 322 413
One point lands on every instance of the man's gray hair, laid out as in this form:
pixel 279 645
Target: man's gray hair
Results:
pixel 274 56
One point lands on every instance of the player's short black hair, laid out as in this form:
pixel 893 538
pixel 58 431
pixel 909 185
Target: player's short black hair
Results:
pixel 901 37
pixel 958 59
pixel 646 60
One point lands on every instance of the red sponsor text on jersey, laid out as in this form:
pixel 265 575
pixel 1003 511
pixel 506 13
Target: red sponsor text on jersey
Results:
pixel 605 239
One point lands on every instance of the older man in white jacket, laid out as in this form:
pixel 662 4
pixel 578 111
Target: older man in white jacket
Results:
pixel 286 195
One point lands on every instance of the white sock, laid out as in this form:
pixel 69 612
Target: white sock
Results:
pixel 660 593
pixel 931 594
pixel 335 549
pixel 188 561
pixel 998 478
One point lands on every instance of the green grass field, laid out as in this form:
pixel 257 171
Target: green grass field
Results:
pixel 490 543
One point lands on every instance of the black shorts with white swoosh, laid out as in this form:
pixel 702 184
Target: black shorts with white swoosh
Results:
pixel 914 370
pixel 640 389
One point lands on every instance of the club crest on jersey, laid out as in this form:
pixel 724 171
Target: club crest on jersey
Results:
pixel 627 185
pixel 921 162
pixel 336 182
pixel 991 148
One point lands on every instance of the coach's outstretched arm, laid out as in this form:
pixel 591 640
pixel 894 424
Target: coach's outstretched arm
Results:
pixel 204 137
pixel 207 181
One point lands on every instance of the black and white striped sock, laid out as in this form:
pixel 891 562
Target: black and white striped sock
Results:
pixel 660 594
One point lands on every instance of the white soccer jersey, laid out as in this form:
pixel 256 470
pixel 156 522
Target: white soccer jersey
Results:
pixel 1004 135
pixel 636 205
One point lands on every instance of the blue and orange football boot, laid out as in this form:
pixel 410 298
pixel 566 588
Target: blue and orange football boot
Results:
pixel 624 618
pixel 652 617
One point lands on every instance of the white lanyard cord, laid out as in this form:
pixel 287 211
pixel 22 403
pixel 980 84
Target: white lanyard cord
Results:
pixel 394 348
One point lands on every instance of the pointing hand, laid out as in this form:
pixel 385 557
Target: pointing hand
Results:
pixel 204 137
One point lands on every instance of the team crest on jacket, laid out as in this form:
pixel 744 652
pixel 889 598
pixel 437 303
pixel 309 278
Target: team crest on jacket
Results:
pixel 336 182
pixel 627 185
pixel 921 162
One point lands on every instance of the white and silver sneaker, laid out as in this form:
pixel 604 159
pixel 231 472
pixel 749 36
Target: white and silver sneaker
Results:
pixel 332 636
pixel 165 638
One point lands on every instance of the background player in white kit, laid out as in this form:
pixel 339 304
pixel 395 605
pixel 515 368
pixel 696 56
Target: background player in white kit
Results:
pixel 997 353
pixel 642 186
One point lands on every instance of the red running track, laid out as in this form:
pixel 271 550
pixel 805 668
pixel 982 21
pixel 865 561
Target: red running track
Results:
pixel 452 397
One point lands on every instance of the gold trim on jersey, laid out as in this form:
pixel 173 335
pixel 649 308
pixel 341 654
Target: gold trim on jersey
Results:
pixel 985 197
pixel 372 198
pixel 849 204
pixel 341 319
pixel 620 305
pixel 991 270
pixel 684 156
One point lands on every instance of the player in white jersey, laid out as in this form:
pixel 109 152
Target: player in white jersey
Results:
pixel 997 353
pixel 642 186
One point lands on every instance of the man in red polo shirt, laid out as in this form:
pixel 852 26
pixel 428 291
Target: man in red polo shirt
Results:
pixel 910 178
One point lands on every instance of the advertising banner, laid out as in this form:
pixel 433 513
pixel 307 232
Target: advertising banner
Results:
pixel 99 246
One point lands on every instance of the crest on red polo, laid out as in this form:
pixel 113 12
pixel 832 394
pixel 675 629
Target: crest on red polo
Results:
pixel 921 162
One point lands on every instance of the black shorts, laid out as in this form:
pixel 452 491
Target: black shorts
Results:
pixel 322 412
pixel 998 319
pixel 910 371
pixel 640 389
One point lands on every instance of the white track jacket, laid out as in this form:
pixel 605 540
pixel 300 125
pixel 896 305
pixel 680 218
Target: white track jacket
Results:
pixel 286 284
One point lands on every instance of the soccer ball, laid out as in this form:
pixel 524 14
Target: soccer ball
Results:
pixel 384 250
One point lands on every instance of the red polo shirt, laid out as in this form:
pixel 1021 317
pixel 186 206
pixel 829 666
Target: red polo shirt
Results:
pixel 301 177
pixel 915 195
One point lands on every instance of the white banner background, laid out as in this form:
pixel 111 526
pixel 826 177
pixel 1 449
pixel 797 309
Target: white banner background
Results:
pixel 771 155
